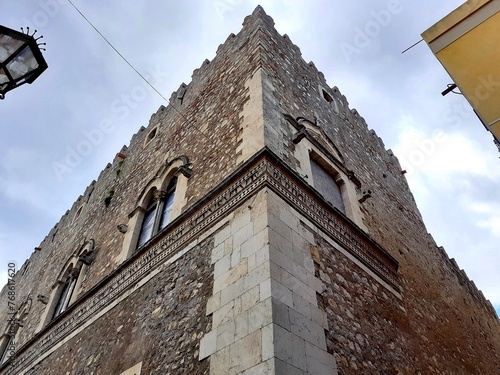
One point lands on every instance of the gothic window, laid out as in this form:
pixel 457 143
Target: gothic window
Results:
pixel 68 284
pixel 160 201
pixel 158 213
pixel 7 348
pixel 328 185
pixel 67 291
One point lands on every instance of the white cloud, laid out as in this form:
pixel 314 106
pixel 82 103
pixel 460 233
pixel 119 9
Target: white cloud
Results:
pixel 450 172
pixel 24 175
pixel 488 216
pixel 440 155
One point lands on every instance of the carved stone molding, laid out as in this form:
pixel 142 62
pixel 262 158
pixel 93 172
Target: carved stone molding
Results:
pixel 336 225
pixel 262 171
pixel 159 195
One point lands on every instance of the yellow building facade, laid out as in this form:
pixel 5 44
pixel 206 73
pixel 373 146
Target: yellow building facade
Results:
pixel 467 42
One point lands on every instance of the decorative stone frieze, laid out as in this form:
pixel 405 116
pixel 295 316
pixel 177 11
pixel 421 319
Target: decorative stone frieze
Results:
pixel 259 172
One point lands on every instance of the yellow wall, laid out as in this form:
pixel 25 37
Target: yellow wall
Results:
pixel 451 20
pixel 473 61
pixel 467 43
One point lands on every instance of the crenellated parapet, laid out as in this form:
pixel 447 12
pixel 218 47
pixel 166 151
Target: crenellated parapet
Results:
pixel 255 224
pixel 467 284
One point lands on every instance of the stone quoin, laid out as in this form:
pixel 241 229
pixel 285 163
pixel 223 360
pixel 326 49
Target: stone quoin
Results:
pixel 256 226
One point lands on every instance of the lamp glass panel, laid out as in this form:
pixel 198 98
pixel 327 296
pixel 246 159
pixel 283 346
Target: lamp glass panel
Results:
pixel 8 46
pixel 23 63
pixel 3 77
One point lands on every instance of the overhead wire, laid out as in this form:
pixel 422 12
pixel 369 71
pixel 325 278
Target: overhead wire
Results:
pixel 413 45
pixel 118 52
pixel 135 70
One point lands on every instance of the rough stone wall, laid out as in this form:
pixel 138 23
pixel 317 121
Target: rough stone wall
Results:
pixel 201 122
pixel 442 312
pixel 368 326
pixel 159 325
pixel 372 332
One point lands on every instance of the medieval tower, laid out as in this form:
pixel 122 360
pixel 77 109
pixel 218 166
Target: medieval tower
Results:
pixel 256 226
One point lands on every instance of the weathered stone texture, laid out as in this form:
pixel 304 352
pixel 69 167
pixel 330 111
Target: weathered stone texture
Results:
pixel 371 331
pixel 160 324
pixel 279 284
pixel 448 318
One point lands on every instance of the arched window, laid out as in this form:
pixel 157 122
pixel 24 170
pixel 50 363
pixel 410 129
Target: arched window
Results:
pixel 158 213
pixel 160 201
pixel 67 287
pixel 6 346
pixel 7 340
pixel 328 184
pixel 67 290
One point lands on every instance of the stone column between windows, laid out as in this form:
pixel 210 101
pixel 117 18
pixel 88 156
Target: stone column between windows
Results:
pixel 159 197
pixel 80 276
pixel 264 308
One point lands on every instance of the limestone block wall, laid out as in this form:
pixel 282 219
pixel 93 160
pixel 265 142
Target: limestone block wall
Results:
pixel 266 318
pixel 447 318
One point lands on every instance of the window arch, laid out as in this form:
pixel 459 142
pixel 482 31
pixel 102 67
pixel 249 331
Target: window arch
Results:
pixel 7 348
pixel 158 212
pixel 159 203
pixel 66 289
pixel 323 166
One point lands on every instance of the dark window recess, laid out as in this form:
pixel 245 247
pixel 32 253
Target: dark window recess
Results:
pixel 158 214
pixel 325 184
pixel 151 135
pixel 327 96
pixel 54 236
pixel 78 212
pixel 67 292
pixel 90 194
pixel 26 268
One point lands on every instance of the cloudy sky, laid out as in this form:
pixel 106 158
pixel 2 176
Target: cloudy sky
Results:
pixel 453 166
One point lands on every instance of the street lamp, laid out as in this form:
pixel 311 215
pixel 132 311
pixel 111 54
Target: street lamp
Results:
pixel 21 60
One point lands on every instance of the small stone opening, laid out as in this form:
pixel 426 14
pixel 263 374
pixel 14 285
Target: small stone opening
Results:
pixel 327 96
pixel 151 135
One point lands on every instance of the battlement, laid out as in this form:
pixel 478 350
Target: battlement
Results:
pixel 255 224
pixel 468 285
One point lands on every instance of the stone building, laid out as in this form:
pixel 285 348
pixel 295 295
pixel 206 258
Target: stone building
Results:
pixel 256 226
